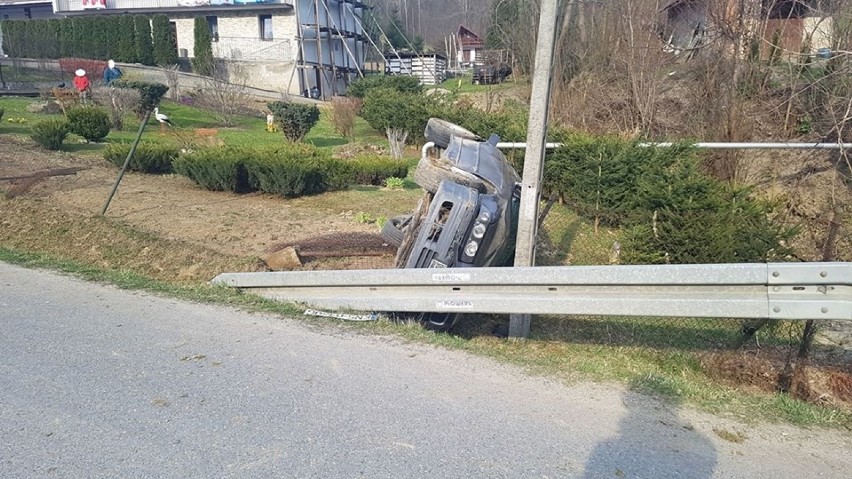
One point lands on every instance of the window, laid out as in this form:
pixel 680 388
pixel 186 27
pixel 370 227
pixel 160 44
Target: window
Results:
pixel 213 23
pixel 265 26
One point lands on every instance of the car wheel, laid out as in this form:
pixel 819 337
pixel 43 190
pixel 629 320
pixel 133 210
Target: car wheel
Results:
pixel 393 231
pixel 429 174
pixel 441 322
pixel 439 132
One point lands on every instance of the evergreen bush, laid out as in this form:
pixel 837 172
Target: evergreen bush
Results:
pixel 374 170
pixel 216 169
pixel 289 170
pixel 385 108
pixel 90 122
pixel 50 133
pixel 202 60
pixel 144 41
pixel 125 43
pixel 401 83
pixel 149 158
pixel 164 42
pixel 295 119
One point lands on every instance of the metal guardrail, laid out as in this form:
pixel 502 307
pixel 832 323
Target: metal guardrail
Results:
pixel 713 145
pixel 796 291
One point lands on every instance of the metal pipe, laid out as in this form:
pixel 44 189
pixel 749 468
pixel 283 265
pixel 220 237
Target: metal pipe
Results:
pixel 711 145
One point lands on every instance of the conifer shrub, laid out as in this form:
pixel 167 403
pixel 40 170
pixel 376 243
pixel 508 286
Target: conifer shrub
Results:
pixel 290 170
pixel 202 60
pixel 294 119
pixel 216 169
pixel 401 83
pixel 668 209
pixel 374 170
pixel 149 158
pixel 144 41
pixel 164 43
pixel 50 133
pixel 90 122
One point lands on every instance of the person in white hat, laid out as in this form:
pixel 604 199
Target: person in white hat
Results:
pixel 81 83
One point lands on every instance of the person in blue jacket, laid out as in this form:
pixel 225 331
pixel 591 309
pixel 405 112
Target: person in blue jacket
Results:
pixel 112 73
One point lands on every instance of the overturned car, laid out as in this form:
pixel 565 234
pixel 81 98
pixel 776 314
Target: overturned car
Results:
pixel 469 214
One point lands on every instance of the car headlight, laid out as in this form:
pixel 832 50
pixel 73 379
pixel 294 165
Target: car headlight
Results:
pixel 470 248
pixel 478 230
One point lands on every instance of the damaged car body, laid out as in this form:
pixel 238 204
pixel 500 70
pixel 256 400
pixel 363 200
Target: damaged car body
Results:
pixel 468 216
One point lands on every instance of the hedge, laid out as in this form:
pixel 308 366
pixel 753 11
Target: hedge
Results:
pixel 93 37
pixel 290 170
pixel 148 157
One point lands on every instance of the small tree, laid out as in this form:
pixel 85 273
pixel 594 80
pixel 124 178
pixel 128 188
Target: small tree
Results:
pixel 144 45
pixel 202 60
pixel 225 92
pixel 343 113
pixel 295 119
pixel 165 43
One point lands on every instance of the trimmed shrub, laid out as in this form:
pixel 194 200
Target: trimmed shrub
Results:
pixel 374 170
pixel 144 41
pixel 150 94
pixel 295 119
pixel 202 61
pixel 217 169
pixel 50 133
pixel 401 83
pixel 90 122
pixel 125 50
pixel 148 158
pixel 164 42
pixel 385 109
pixel 290 170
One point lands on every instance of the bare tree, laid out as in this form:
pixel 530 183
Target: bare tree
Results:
pixel 225 92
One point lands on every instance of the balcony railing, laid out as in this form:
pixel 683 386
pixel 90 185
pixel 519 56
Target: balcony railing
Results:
pixel 121 5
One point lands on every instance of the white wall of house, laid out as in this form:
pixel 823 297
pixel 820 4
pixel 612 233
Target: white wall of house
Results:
pixel 819 31
pixel 266 64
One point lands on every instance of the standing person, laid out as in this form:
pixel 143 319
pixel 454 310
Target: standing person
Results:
pixel 111 74
pixel 81 83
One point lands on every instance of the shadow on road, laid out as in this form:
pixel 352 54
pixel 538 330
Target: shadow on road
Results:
pixel 652 442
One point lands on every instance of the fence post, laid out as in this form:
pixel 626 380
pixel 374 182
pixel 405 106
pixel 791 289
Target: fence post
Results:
pixel 519 324
pixel 126 161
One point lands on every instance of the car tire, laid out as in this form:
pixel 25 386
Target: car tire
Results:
pixel 430 173
pixel 440 131
pixel 439 322
pixel 393 231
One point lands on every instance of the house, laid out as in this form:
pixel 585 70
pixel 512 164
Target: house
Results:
pixel 795 26
pixel 469 47
pixel 429 68
pixel 292 46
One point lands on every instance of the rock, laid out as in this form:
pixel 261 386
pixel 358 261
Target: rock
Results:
pixel 283 260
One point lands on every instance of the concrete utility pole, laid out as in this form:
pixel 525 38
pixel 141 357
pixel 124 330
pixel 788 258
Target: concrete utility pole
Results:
pixel 519 324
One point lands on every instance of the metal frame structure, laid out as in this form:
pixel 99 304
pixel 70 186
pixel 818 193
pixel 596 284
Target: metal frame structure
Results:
pixel 796 291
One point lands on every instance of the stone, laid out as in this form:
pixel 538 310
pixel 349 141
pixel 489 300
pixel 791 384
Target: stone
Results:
pixel 283 260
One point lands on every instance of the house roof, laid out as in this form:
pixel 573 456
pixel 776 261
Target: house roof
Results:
pixel 468 39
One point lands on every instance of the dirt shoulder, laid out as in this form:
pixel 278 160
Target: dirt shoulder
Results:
pixel 166 227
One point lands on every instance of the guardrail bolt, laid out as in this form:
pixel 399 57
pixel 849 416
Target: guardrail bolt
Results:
pixel 776 309
pixel 824 310
pixel 775 274
pixel 823 274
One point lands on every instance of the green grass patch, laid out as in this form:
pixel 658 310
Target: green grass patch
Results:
pixel 464 84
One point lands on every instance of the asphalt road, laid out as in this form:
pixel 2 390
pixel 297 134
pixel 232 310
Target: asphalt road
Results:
pixel 97 382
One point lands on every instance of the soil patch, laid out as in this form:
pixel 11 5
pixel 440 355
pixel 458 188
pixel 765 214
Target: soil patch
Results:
pixel 158 220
